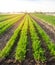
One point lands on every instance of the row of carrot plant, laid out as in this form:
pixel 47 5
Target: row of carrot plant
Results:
pixel 38 52
pixel 8 23
pixel 46 18
pixel 2 24
pixel 21 49
pixel 46 38
pixel 6 17
pixel 22 44
pixel 6 50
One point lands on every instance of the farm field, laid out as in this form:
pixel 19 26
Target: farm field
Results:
pixel 4 17
pixel 27 39
pixel 46 18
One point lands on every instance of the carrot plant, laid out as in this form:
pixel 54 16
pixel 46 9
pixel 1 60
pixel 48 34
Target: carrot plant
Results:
pixel 4 23
pixel 38 52
pixel 6 50
pixel 7 24
pixel 5 17
pixel 22 43
pixel 46 38
pixel 46 18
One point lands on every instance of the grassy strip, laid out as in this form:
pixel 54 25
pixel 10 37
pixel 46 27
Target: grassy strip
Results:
pixel 6 50
pixel 38 52
pixel 46 38
pixel 21 46
pixel 8 25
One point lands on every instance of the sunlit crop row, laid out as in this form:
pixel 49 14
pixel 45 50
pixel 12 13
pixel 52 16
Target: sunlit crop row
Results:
pixel 6 50
pixel 38 52
pixel 8 23
pixel 46 38
pixel 22 43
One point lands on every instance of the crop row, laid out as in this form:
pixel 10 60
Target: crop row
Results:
pixel 22 44
pixel 6 17
pixel 7 24
pixel 38 52
pixel 46 18
pixel 6 50
pixel 46 38
pixel 21 48
pixel 4 23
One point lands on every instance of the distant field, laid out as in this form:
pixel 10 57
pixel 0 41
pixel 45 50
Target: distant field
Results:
pixel 47 18
pixel 26 40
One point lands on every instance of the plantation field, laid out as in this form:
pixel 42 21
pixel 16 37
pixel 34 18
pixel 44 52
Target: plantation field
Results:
pixel 46 18
pixel 27 39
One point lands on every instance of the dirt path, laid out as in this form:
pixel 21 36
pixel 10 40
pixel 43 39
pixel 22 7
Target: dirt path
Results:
pixel 29 55
pixel 47 28
pixel 7 35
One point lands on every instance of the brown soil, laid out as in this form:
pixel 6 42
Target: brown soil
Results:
pixel 7 35
pixel 47 28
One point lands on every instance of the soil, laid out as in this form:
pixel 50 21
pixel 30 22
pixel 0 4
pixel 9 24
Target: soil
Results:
pixel 4 38
pixel 47 28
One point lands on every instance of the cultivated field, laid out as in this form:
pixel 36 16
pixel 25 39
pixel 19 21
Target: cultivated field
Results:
pixel 27 39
